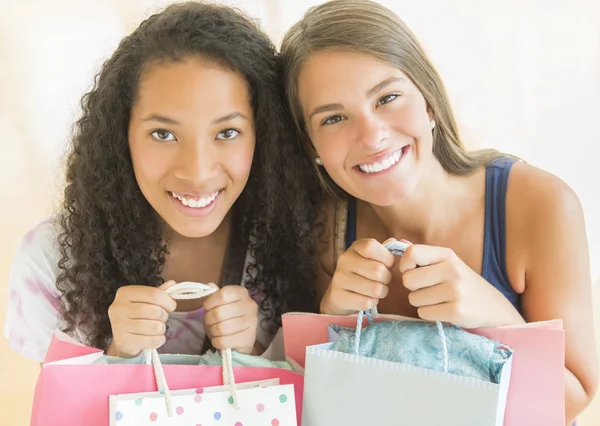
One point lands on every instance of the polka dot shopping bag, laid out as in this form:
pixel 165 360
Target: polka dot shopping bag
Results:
pixel 77 386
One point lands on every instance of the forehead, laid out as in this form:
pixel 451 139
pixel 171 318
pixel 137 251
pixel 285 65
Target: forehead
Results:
pixel 339 74
pixel 190 83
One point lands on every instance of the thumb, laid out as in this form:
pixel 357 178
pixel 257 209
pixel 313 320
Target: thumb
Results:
pixel 166 285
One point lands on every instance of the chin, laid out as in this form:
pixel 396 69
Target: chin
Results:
pixel 387 196
pixel 189 229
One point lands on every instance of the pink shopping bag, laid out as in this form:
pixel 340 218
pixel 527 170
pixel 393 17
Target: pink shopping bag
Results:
pixel 71 391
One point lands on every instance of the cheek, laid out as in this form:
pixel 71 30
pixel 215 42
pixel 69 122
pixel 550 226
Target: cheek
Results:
pixel 332 146
pixel 410 121
pixel 240 161
pixel 149 165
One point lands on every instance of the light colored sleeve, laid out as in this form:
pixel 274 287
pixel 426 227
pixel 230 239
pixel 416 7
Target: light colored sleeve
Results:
pixel 33 307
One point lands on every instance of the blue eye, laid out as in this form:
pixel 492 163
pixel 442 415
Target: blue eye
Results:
pixel 163 135
pixel 387 99
pixel 228 134
pixel 332 120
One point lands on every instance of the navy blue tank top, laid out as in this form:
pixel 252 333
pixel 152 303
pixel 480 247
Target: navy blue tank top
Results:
pixel 494 241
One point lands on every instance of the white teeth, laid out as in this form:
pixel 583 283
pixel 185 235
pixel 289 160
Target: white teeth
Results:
pixel 384 165
pixel 196 202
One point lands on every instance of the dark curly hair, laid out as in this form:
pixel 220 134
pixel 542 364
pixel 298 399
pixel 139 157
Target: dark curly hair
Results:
pixel 111 236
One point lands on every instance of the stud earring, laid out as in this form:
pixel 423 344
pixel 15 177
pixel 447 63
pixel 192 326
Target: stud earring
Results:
pixel 432 124
pixel 319 161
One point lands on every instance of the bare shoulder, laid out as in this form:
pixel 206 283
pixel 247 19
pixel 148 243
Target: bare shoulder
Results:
pixel 537 197
pixel 542 212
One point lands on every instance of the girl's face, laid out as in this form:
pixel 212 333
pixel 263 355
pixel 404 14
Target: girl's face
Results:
pixel 368 122
pixel 191 136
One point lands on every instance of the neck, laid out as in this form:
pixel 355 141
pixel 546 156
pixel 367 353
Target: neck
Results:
pixel 195 245
pixel 430 211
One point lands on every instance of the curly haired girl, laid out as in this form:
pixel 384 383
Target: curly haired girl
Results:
pixel 177 172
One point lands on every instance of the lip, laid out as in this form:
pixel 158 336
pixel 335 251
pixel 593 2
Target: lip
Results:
pixel 196 211
pixel 196 193
pixel 377 158
pixel 380 157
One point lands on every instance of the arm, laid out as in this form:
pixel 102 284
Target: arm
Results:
pixel 33 301
pixel 557 273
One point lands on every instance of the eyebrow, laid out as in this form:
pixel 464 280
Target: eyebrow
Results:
pixel 378 87
pixel 171 121
pixel 383 85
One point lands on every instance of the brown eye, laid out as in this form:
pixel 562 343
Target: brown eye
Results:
pixel 332 120
pixel 387 99
pixel 163 135
pixel 227 134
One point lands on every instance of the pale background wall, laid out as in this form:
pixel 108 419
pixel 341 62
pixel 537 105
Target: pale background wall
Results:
pixel 524 76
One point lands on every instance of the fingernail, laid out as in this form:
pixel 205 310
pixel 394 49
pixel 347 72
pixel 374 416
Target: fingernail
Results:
pixel 406 241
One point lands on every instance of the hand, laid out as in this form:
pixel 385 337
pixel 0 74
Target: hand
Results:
pixel 444 288
pixel 231 319
pixel 138 317
pixel 360 279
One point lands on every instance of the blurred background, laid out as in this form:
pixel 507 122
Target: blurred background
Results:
pixel 523 75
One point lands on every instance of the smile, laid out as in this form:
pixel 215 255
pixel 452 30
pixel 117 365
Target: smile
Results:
pixel 383 164
pixel 196 202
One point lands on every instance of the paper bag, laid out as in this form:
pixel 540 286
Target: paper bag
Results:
pixel 260 403
pixel 71 390
pixel 535 395
pixel 392 392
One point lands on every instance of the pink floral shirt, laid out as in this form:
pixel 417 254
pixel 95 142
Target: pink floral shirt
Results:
pixel 33 309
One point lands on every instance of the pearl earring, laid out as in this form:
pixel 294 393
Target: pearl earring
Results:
pixel 432 124
pixel 318 161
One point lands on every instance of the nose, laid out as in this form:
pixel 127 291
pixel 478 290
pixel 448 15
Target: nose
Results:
pixel 196 162
pixel 371 132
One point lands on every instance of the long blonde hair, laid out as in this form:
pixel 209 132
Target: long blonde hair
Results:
pixel 366 26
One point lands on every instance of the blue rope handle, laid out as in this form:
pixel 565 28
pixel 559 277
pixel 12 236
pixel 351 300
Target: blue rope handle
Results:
pixel 397 248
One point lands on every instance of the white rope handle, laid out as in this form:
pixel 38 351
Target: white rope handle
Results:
pixel 397 248
pixel 186 291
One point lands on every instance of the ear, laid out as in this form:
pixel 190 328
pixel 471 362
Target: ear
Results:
pixel 430 113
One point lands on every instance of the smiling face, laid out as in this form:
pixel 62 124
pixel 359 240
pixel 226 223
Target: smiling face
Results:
pixel 191 136
pixel 368 122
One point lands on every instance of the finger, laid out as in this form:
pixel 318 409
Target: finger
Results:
pixel 422 255
pixel 446 312
pixel 138 311
pixel 347 300
pixel 224 313
pixel 434 295
pixel 231 341
pixel 144 327
pixel 232 326
pixel 164 286
pixel 371 270
pixel 226 295
pixel 363 286
pixel 145 294
pixel 426 276
pixel 370 248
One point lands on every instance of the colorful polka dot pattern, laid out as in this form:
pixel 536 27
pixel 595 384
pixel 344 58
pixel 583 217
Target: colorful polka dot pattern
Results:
pixel 266 405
